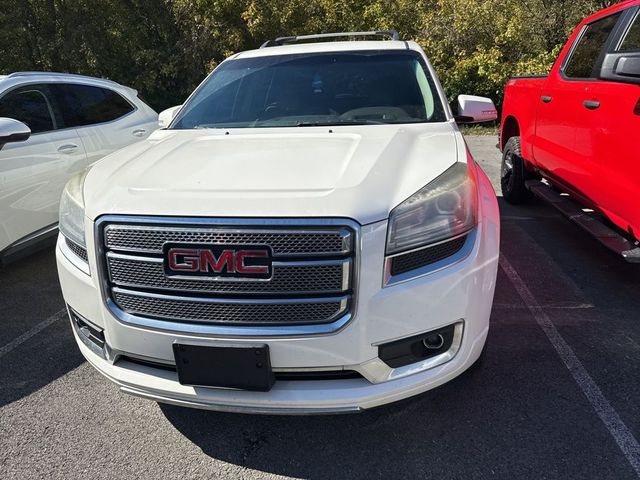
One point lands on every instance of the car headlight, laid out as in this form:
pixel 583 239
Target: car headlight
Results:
pixel 443 209
pixel 72 210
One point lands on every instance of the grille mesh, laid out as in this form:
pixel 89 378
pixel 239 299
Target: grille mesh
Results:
pixel 311 282
pixel 152 239
pixel 77 250
pixel 226 313
pixel 426 256
pixel 290 279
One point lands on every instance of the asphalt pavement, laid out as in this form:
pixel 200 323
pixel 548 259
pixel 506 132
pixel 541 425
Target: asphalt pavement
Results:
pixel 556 396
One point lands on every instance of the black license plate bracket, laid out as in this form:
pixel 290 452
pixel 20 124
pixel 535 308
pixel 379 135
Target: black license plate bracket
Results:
pixel 239 366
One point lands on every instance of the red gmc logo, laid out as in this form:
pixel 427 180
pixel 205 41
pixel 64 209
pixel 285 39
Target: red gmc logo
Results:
pixel 218 261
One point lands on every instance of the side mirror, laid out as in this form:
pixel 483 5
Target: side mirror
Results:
pixel 621 67
pixel 472 109
pixel 166 116
pixel 12 131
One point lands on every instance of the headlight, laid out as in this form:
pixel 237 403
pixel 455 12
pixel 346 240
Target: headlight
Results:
pixel 72 210
pixel 445 208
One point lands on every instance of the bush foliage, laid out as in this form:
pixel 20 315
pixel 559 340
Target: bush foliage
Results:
pixel 165 48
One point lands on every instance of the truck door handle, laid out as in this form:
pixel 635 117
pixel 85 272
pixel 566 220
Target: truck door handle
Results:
pixel 68 148
pixel 546 98
pixel 139 132
pixel 591 104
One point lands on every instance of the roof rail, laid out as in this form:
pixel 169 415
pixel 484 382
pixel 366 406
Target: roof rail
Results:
pixel 60 74
pixel 301 38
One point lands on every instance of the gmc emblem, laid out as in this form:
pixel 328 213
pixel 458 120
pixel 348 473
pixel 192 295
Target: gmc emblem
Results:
pixel 226 261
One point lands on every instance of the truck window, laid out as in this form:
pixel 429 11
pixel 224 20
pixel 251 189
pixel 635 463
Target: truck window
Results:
pixel 631 40
pixel 584 61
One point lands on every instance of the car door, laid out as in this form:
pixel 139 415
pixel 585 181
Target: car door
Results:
pixel 562 121
pixel 613 155
pixel 34 172
pixel 106 121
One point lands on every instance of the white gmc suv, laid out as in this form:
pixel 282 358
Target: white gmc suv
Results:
pixel 309 235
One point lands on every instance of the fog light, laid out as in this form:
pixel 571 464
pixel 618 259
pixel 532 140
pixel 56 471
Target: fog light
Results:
pixel 433 342
pixel 89 334
pixel 420 347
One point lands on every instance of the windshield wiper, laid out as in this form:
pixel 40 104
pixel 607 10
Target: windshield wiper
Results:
pixel 339 122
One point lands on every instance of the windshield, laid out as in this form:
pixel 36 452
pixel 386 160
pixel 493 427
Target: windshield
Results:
pixel 343 88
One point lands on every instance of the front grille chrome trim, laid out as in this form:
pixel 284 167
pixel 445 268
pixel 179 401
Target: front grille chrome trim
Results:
pixel 338 304
pixel 228 331
pixel 230 301
pixel 348 258
pixel 319 276
pixel 345 238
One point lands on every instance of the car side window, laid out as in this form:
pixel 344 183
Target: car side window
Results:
pixel 30 106
pixel 82 105
pixel 585 59
pixel 631 41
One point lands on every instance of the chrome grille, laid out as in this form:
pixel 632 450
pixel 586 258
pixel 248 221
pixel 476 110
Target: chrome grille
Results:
pixel 312 281
pixel 287 278
pixel 211 311
pixel 150 239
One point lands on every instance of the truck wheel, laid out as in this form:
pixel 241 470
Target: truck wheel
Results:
pixel 513 173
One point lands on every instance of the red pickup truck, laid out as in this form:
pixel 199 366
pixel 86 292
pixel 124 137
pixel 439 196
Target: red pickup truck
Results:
pixel 578 128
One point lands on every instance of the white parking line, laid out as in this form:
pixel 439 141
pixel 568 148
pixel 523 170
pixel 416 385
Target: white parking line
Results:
pixel 618 430
pixel 34 331
pixel 551 306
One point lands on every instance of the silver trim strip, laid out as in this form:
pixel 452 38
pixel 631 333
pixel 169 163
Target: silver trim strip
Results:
pixel 256 409
pixel 347 240
pixel 136 258
pixel 43 232
pixel 234 301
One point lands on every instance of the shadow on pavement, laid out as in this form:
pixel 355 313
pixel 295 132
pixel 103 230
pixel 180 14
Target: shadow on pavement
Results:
pixel 509 417
pixel 384 442
pixel 30 294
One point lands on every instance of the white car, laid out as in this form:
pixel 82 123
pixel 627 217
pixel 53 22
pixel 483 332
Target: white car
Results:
pixel 310 234
pixel 52 126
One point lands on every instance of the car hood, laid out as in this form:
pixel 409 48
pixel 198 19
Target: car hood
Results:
pixel 358 172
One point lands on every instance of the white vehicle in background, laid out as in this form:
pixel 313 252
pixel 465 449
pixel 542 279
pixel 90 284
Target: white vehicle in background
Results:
pixel 52 126
pixel 309 234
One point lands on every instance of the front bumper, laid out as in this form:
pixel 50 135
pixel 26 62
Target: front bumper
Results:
pixel 286 397
pixel 458 293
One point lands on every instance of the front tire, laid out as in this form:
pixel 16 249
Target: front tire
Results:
pixel 513 173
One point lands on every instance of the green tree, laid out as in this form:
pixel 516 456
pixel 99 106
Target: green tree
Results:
pixel 165 48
